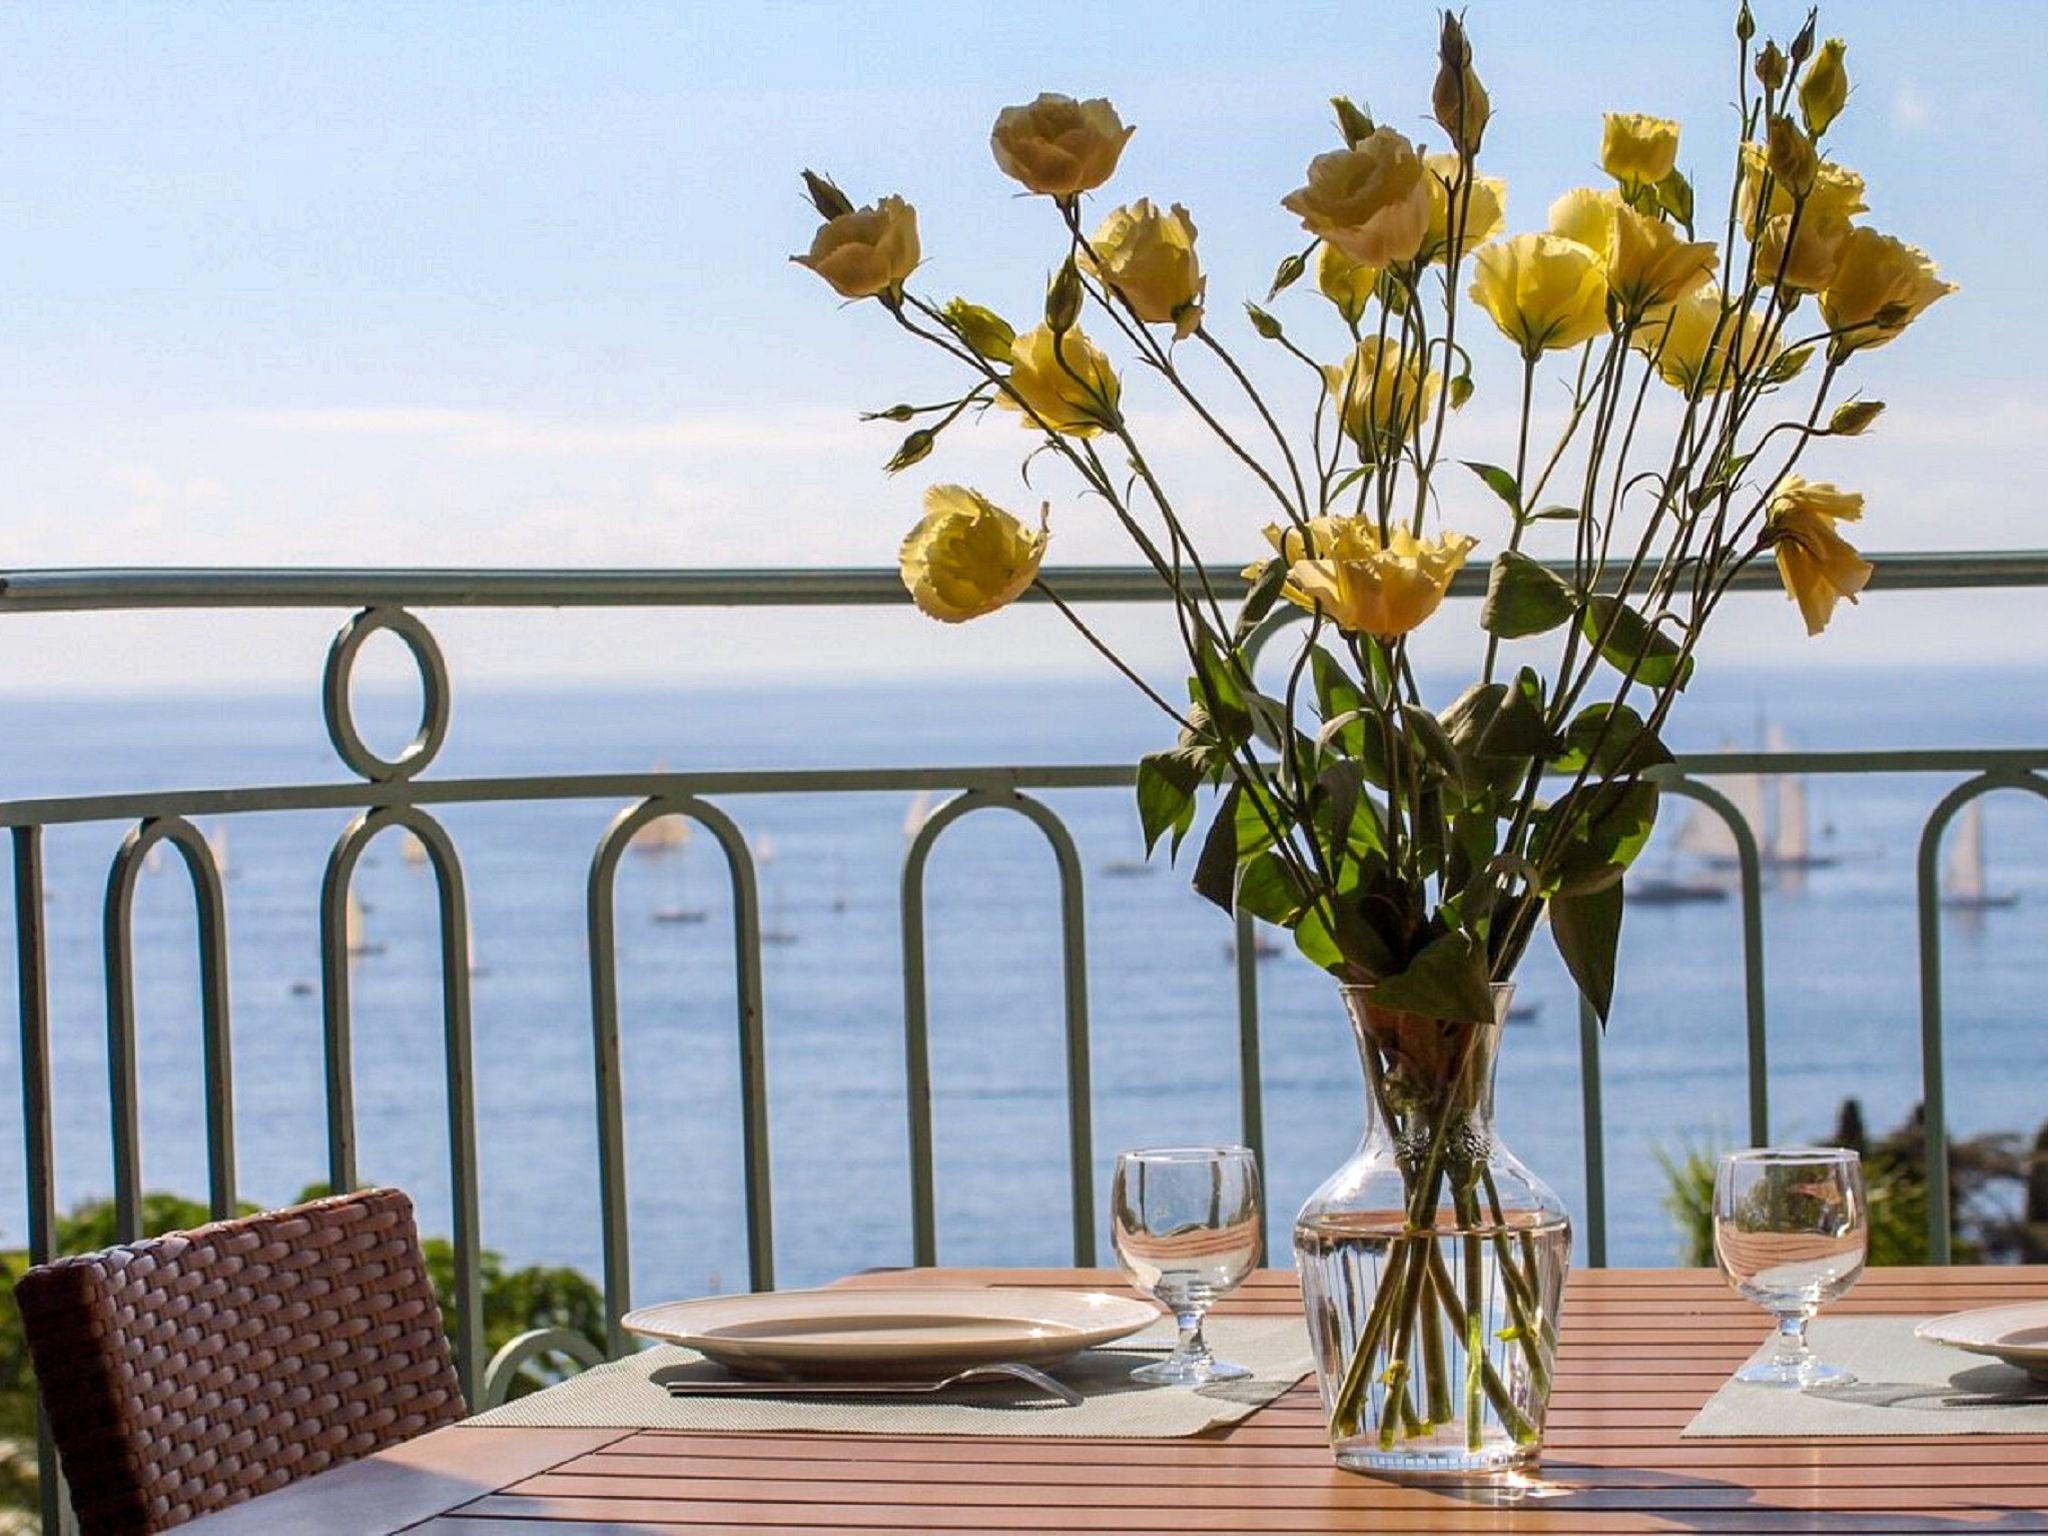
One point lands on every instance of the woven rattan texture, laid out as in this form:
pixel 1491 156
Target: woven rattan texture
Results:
pixel 194 1370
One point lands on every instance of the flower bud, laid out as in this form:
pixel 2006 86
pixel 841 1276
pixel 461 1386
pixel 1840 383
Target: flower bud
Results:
pixel 825 197
pixel 1791 157
pixel 1745 24
pixel 1263 323
pixel 1825 88
pixel 1459 100
pixel 1354 122
pixel 1063 298
pixel 1770 67
pixel 1287 275
pixel 1802 45
pixel 1854 418
pixel 916 447
pixel 894 413
pixel 982 329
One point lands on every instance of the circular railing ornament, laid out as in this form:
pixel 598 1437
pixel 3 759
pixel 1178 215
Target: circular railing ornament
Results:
pixel 340 711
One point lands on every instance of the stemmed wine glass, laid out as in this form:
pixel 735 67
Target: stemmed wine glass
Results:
pixel 1791 1230
pixel 1188 1229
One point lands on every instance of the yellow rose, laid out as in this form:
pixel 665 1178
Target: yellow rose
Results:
pixel 1689 343
pixel 1370 201
pixel 1059 146
pixel 1637 150
pixel 866 252
pixel 1485 209
pixel 1837 191
pixel 1543 291
pixel 1046 381
pixel 1648 265
pixel 1381 395
pixel 1818 566
pixel 1815 257
pixel 1880 288
pixel 1344 282
pixel 1365 588
pixel 1586 214
pixel 1825 90
pixel 967 556
pixel 1149 258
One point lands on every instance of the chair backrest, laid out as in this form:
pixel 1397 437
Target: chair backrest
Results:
pixel 194 1370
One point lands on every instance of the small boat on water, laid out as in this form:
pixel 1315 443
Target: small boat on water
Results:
pixel 1963 886
pixel 1525 1012
pixel 356 937
pixel 1129 869
pixel 1673 891
pixel 1263 947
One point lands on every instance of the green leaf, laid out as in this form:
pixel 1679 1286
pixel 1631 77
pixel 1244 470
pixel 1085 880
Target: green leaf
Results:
pixel 1588 838
pixel 1427 735
pixel 1215 688
pixel 1259 600
pixel 1556 514
pixel 1524 598
pixel 1626 746
pixel 1516 729
pixel 1587 931
pixel 1345 814
pixel 1446 980
pixel 1623 635
pixel 1167 782
pixel 1216 866
pixel 1313 938
pixel 1267 888
pixel 1500 482
pixel 1674 195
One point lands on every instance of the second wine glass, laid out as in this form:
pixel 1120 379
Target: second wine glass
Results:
pixel 1791 1231
pixel 1188 1226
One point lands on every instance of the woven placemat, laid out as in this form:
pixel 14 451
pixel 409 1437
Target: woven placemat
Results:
pixel 619 1395
pixel 1904 1386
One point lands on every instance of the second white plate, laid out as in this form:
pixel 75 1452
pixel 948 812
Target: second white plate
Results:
pixel 891 1331
pixel 2016 1334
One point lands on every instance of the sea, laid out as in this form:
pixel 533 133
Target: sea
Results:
pixel 1839 943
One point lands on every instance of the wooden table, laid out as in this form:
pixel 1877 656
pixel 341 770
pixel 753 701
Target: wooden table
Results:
pixel 1641 1351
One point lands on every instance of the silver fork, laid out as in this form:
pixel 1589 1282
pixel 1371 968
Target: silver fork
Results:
pixel 679 1384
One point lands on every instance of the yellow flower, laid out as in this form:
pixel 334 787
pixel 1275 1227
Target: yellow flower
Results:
pixel 1382 395
pixel 1817 565
pixel 1342 571
pixel 1825 90
pixel 1586 214
pixel 1344 282
pixel 1837 191
pixel 868 251
pixel 1648 265
pixel 1149 258
pixel 1059 146
pixel 1370 201
pixel 1047 381
pixel 1816 254
pixel 1637 150
pixel 1880 288
pixel 1689 343
pixel 1485 209
pixel 967 556
pixel 1543 291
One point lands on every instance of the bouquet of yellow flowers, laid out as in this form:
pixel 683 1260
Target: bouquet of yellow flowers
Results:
pixel 1412 847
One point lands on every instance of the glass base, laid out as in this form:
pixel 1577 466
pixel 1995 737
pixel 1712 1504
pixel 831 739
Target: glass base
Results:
pixel 1177 1372
pixel 1444 1456
pixel 1794 1374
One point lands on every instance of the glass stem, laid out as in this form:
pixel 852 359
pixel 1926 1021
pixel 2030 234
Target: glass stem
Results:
pixel 1192 1346
pixel 1792 1349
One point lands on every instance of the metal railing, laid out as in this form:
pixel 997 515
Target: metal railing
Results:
pixel 393 793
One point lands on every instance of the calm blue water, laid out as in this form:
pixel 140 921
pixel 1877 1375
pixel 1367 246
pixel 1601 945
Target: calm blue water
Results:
pixel 1841 957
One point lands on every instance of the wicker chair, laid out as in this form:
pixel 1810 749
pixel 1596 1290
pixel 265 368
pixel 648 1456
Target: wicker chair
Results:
pixel 198 1369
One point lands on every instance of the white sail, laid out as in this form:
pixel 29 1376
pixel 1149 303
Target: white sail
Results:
pixel 1791 843
pixel 764 849
pixel 1704 832
pixel 662 834
pixel 219 844
pixel 920 812
pixel 1963 879
pixel 352 927
pixel 411 849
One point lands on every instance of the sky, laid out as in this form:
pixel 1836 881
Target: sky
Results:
pixel 505 284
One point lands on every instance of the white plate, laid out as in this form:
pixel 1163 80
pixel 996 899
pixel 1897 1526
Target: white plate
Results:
pixel 903 1330
pixel 2016 1334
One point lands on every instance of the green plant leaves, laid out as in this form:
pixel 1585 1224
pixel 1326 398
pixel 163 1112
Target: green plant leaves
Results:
pixel 1624 636
pixel 1500 482
pixel 1587 838
pixel 1587 931
pixel 1447 979
pixel 1614 737
pixel 1524 598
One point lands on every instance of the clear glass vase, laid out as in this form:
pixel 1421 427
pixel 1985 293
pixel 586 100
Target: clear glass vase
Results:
pixel 1432 1263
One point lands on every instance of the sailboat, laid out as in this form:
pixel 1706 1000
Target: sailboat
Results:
pixel 772 930
pixel 675 836
pixel 1784 841
pixel 411 849
pixel 218 843
pixel 357 941
pixel 1962 881
pixel 919 813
